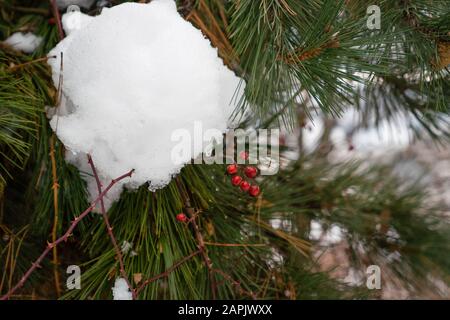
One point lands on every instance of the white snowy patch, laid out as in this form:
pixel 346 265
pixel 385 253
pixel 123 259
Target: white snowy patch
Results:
pixel 132 76
pixel 121 290
pixel 25 42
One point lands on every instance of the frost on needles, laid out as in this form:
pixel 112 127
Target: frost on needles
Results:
pixel 131 77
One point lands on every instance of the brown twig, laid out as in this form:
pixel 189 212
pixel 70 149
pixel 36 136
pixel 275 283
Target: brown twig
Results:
pixel 55 188
pixel 167 272
pixel 64 237
pixel 200 241
pixel 109 228
pixel 57 17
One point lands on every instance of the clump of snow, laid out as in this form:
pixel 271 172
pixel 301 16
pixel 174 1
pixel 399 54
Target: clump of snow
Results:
pixel 133 76
pixel 121 290
pixel 63 4
pixel 25 42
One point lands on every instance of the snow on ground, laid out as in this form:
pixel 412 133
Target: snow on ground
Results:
pixel 132 76
pixel 25 42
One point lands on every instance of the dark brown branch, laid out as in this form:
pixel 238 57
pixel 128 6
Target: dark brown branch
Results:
pixel 64 237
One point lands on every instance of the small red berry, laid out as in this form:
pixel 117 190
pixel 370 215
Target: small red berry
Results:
pixel 243 155
pixel 236 180
pixel 244 186
pixel 251 172
pixel 181 217
pixel 232 169
pixel 51 21
pixel 254 191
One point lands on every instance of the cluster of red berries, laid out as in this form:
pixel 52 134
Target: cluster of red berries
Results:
pixel 237 180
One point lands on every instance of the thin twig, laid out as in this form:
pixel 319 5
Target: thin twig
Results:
pixel 168 271
pixel 55 188
pixel 109 228
pixel 57 17
pixel 200 241
pixel 64 237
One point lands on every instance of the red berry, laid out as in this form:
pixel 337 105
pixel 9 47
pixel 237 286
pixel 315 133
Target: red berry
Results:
pixel 51 21
pixel 251 172
pixel 254 191
pixel 181 217
pixel 245 186
pixel 232 169
pixel 236 180
pixel 243 155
